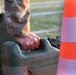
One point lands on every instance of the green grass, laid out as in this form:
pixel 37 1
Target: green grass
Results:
pixel 46 9
pixel 47 22
pixel 44 22
pixel 41 0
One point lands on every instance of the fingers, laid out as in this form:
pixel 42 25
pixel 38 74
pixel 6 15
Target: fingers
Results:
pixel 34 44
pixel 31 41
pixel 36 40
pixel 27 43
pixel 26 46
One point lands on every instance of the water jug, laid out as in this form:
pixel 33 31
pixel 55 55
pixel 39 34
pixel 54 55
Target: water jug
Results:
pixel 4 36
pixel 42 61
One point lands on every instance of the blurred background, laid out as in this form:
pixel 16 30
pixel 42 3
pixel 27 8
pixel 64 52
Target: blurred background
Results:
pixel 46 17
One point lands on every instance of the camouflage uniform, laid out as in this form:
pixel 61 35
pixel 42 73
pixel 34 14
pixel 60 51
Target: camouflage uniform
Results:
pixel 17 17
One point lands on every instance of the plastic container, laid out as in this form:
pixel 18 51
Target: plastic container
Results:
pixel 4 36
pixel 42 61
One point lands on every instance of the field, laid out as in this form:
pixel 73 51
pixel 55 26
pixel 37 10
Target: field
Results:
pixel 46 22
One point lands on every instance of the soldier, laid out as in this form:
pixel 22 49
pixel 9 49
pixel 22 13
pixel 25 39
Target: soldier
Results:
pixel 17 14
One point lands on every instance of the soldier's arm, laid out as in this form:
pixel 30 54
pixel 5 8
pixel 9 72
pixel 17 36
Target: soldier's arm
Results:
pixel 17 14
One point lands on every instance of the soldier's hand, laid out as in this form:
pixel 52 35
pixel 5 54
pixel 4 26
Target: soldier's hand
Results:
pixel 30 41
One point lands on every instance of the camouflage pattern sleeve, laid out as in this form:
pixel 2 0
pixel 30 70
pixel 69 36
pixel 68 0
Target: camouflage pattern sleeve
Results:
pixel 17 14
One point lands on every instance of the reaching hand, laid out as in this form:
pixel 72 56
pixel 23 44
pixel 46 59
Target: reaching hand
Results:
pixel 30 41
